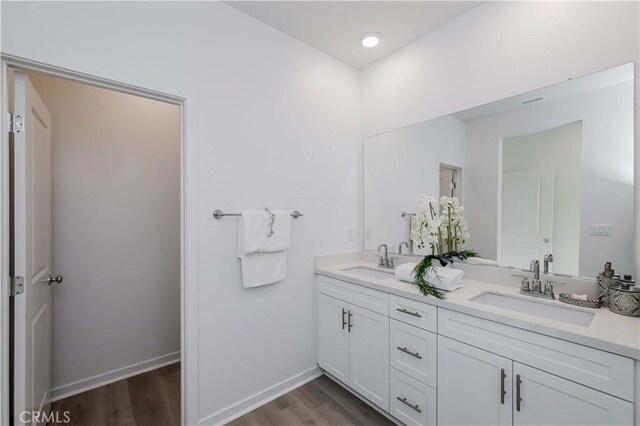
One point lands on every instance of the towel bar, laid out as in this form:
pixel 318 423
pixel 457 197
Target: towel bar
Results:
pixel 219 214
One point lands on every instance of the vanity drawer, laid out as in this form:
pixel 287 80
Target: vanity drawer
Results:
pixel 415 313
pixel 413 351
pixel 364 297
pixel 410 401
pixel 604 371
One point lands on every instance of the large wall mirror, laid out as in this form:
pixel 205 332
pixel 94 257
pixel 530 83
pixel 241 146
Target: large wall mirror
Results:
pixel 549 172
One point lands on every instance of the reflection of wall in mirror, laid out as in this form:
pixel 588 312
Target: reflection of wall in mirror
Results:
pixel 607 162
pixel 398 166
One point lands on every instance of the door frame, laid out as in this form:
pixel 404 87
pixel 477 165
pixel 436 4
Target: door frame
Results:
pixel 10 61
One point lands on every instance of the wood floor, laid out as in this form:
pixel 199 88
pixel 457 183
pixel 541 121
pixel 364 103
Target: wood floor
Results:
pixel 153 399
pixel 148 399
pixel 321 402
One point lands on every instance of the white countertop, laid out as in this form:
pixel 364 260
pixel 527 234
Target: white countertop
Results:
pixel 607 331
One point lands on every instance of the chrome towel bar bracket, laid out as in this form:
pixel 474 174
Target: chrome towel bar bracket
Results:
pixel 219 214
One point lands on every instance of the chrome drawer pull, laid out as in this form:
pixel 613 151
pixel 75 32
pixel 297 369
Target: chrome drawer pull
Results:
pixel 503 392
pixel 407 351
pixel 405 311
pixel 404 401
pixel 518 396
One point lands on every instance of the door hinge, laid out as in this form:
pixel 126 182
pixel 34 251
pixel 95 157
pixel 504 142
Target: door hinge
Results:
pixel 17 285
pixel 16 123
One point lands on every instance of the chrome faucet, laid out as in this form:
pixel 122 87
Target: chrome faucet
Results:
pixel 534 267
pixel 536 289
pixel 404 243
pixel 548 258
pixel 536 284
pixel 385 261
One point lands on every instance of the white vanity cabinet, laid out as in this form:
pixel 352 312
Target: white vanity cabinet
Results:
pixel 494 390
pixel 353 346
pixel 545 399
pixel 369 355
pixel 428 365
pixel 333 337
pixel 474 386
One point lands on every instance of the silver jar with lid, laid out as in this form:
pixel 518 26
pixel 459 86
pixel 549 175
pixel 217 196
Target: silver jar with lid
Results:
pixel 606 279
pixel 624 297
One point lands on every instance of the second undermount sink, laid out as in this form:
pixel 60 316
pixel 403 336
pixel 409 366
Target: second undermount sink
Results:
pixel 537 308
pixel 370 273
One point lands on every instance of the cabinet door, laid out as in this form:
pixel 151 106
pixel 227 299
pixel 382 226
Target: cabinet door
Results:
pixel 546 399
pixel 474 386
pixel 333 337
pixel 369 355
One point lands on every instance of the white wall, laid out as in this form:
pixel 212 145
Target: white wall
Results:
pixel 494 51
pixel 269 122
pixel 558 150
pixel 497 50
pixel 398 166
pixel 607 165
pixel 116 230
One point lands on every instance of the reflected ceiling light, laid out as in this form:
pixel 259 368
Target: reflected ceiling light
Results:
pixel 371 39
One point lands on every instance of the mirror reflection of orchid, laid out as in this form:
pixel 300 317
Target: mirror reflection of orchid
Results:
pixel 445 233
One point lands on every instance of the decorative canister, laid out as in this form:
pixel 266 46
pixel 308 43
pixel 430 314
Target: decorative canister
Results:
pixel 624 298
pixel 605 279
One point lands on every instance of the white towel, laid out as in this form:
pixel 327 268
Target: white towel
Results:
pixel 260 268
pixel 257 231
pixel 413 228
pixel 447 279
pixel 480 261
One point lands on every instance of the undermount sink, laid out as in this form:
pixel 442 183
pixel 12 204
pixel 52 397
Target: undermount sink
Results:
pixel 370 273
pixel 537 308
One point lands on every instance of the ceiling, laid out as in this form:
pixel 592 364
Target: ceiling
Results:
pixel 337 27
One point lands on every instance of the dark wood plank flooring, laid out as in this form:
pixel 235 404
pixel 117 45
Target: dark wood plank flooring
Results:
pixel 321 402
pixel 153 399
pixel 148 399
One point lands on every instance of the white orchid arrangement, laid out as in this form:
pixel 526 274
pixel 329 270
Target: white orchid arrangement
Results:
pixel 445 233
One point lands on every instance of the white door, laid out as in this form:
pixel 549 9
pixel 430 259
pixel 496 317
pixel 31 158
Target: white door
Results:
pixel 474 386
pixel 546 399
pixel 527 217
pixel 369 355
pixel 333 337
pixel 32 251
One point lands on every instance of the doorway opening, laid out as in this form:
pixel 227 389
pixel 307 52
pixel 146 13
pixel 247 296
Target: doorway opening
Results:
pixel 95 223
pixel 541 198
pixel 450 181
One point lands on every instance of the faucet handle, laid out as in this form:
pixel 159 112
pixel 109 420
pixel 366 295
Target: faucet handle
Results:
pixel 390 261
pixel 548 287
pixel 381 261
pixel 524 286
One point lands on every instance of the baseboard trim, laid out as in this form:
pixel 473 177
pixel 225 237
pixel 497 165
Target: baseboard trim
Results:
pixel 241 408
pixel 84 385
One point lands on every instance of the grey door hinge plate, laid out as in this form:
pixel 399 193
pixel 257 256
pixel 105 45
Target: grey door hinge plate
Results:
pixel 16 123
pixel 17 285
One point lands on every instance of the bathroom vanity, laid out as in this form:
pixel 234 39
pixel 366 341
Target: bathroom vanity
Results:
pixel 484 355
pixel 547 181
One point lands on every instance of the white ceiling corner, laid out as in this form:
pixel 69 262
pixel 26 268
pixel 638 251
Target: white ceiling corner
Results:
pixel 336 27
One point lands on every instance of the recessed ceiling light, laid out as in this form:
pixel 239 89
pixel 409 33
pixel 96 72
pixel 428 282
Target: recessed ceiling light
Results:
pixel 371 39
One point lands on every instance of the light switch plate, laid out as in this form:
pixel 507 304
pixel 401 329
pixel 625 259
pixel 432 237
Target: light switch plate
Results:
pixel 601 230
